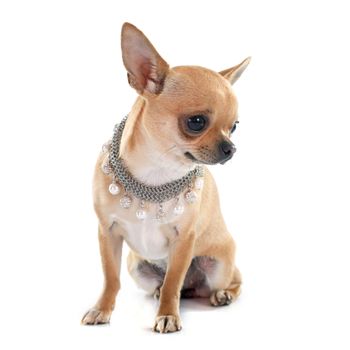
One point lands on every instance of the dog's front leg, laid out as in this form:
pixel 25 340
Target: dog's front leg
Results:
pixel 111 251
pixel 180 257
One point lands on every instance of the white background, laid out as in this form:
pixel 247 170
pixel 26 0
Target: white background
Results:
pixel 285 195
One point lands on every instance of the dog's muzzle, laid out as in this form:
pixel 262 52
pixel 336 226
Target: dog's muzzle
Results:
pixel 226 150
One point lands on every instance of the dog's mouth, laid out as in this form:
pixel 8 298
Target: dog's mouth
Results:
pixel 191 157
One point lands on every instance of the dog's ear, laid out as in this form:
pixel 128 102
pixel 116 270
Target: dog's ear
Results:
pixel 232 74
pixel 146 68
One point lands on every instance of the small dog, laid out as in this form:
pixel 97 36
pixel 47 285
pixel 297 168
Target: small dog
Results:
pixel 153 190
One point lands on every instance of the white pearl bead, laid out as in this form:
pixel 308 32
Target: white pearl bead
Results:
pixel 160 213
pixel 191 196
pixel 198 184
pixel 106 168
pixel 114 189
pixel 106 147
pixel 125 202
pixel 179 209
pixel 141 214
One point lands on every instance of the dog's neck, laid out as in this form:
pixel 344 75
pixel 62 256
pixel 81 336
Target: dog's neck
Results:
pixel 145 162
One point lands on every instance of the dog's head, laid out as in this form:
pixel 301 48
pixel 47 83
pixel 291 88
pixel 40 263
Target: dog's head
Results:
pixel 189 109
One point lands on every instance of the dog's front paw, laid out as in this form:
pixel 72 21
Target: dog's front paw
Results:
pixel 167 324
pixel 96 316
pixel 221 297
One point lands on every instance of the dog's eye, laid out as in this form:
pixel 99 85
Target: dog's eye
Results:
pixel 196 123
pixel 234 126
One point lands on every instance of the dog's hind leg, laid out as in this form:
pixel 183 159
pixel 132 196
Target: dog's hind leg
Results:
pixel 224 279
pixel 226 296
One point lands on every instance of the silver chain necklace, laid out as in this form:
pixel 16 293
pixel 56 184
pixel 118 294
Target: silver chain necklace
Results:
pixel 115 166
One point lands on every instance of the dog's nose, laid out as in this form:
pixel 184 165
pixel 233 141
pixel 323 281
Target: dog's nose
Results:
pixel 226 150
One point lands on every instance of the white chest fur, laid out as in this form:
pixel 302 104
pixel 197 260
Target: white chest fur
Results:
pixel 149 237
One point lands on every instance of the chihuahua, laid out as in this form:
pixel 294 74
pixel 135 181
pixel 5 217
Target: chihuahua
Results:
pixel 152 188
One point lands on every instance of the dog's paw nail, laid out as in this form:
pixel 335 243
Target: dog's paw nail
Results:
pixel 156 294
pixel 167 324
pixel 95 316
pixel 221 297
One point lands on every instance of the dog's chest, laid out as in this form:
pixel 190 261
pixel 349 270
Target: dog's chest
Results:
pixel 148 238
